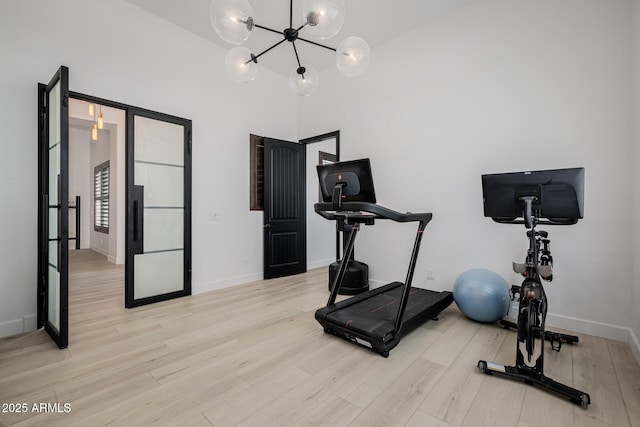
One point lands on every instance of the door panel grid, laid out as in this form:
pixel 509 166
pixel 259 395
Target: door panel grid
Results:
pixel 159 208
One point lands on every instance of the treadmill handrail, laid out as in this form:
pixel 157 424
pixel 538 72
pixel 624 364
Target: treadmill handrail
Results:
pixel 328 211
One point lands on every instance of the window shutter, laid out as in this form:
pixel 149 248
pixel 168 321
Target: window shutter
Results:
pixel 101 196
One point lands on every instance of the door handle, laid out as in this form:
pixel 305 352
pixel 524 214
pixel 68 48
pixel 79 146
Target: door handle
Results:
pixel 138 220
pixel 59 233
pixel 45 224
pixel 135 220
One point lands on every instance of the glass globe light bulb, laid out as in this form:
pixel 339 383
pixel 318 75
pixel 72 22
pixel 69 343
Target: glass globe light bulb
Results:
pixel 324 18
pixel 353 56
pixel 240 65
pixel 232 20
pixel 304 80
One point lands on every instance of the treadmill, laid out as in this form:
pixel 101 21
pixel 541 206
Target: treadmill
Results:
pixel 378 318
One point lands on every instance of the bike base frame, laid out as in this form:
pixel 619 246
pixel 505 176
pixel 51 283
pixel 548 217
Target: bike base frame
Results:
pixel 535 378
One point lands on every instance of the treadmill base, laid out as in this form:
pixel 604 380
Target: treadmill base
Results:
pixel 369 318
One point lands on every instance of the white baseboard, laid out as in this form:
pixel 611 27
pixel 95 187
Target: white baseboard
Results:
pixel 373 283
pixel 225 283
pixel 11 327
pixel 18 326
pixel 634 343
pixel 590 327
pixel 252 277
pixel 101 251
pixel 29 323
pixel 317 264
pixel 111 259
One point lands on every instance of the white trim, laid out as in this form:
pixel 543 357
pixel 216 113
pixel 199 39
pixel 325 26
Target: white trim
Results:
pixel 590 327
pixel 318 264
pixel 200 288
pixel 373 283
pixel 101 251
pixel 11 327
pixel 29 323
pixel 634 343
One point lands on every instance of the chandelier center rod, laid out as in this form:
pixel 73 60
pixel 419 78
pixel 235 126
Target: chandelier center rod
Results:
pixel 291 34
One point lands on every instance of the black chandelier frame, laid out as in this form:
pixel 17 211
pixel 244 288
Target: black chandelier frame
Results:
pixel 290 34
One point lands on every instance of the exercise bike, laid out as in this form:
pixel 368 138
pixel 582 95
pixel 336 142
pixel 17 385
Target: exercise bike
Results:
pixel 532 308
pixel 545 271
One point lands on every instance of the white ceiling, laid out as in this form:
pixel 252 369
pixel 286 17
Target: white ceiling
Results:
pixel 374 20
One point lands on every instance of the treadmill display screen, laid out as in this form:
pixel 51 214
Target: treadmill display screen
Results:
pixel 355 177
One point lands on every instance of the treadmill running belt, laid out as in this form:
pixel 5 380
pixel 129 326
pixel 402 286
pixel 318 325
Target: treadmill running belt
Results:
pixel 375 316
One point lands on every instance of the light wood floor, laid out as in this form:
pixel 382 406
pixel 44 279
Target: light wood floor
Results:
pixel 253 355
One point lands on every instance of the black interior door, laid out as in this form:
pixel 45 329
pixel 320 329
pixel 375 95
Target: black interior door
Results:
pixel 158 245
pixel 53 213
pixel 284 225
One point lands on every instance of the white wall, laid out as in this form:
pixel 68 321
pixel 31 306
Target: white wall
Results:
pixel 321 234
pixel 80 180
pixel 115 122
pixel 498 86
pixel 147 63
pixel 635 302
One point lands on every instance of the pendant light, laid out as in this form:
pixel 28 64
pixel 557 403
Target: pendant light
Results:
pixel 100 119
pixel 304 80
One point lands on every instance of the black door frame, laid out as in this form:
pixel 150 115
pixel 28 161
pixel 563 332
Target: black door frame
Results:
pixel 130 302
pixel 135 223
pixel 319 138
pixel 43 167
pixel 60 336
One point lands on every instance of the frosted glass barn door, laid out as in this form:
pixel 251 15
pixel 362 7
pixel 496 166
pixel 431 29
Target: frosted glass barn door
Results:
pixel 158 208
pixel 53 188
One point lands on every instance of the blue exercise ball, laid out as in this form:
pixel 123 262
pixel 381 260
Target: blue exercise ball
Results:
pixel 481 295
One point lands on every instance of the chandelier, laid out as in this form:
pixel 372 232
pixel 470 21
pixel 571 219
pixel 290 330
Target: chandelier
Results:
pixel 233 22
